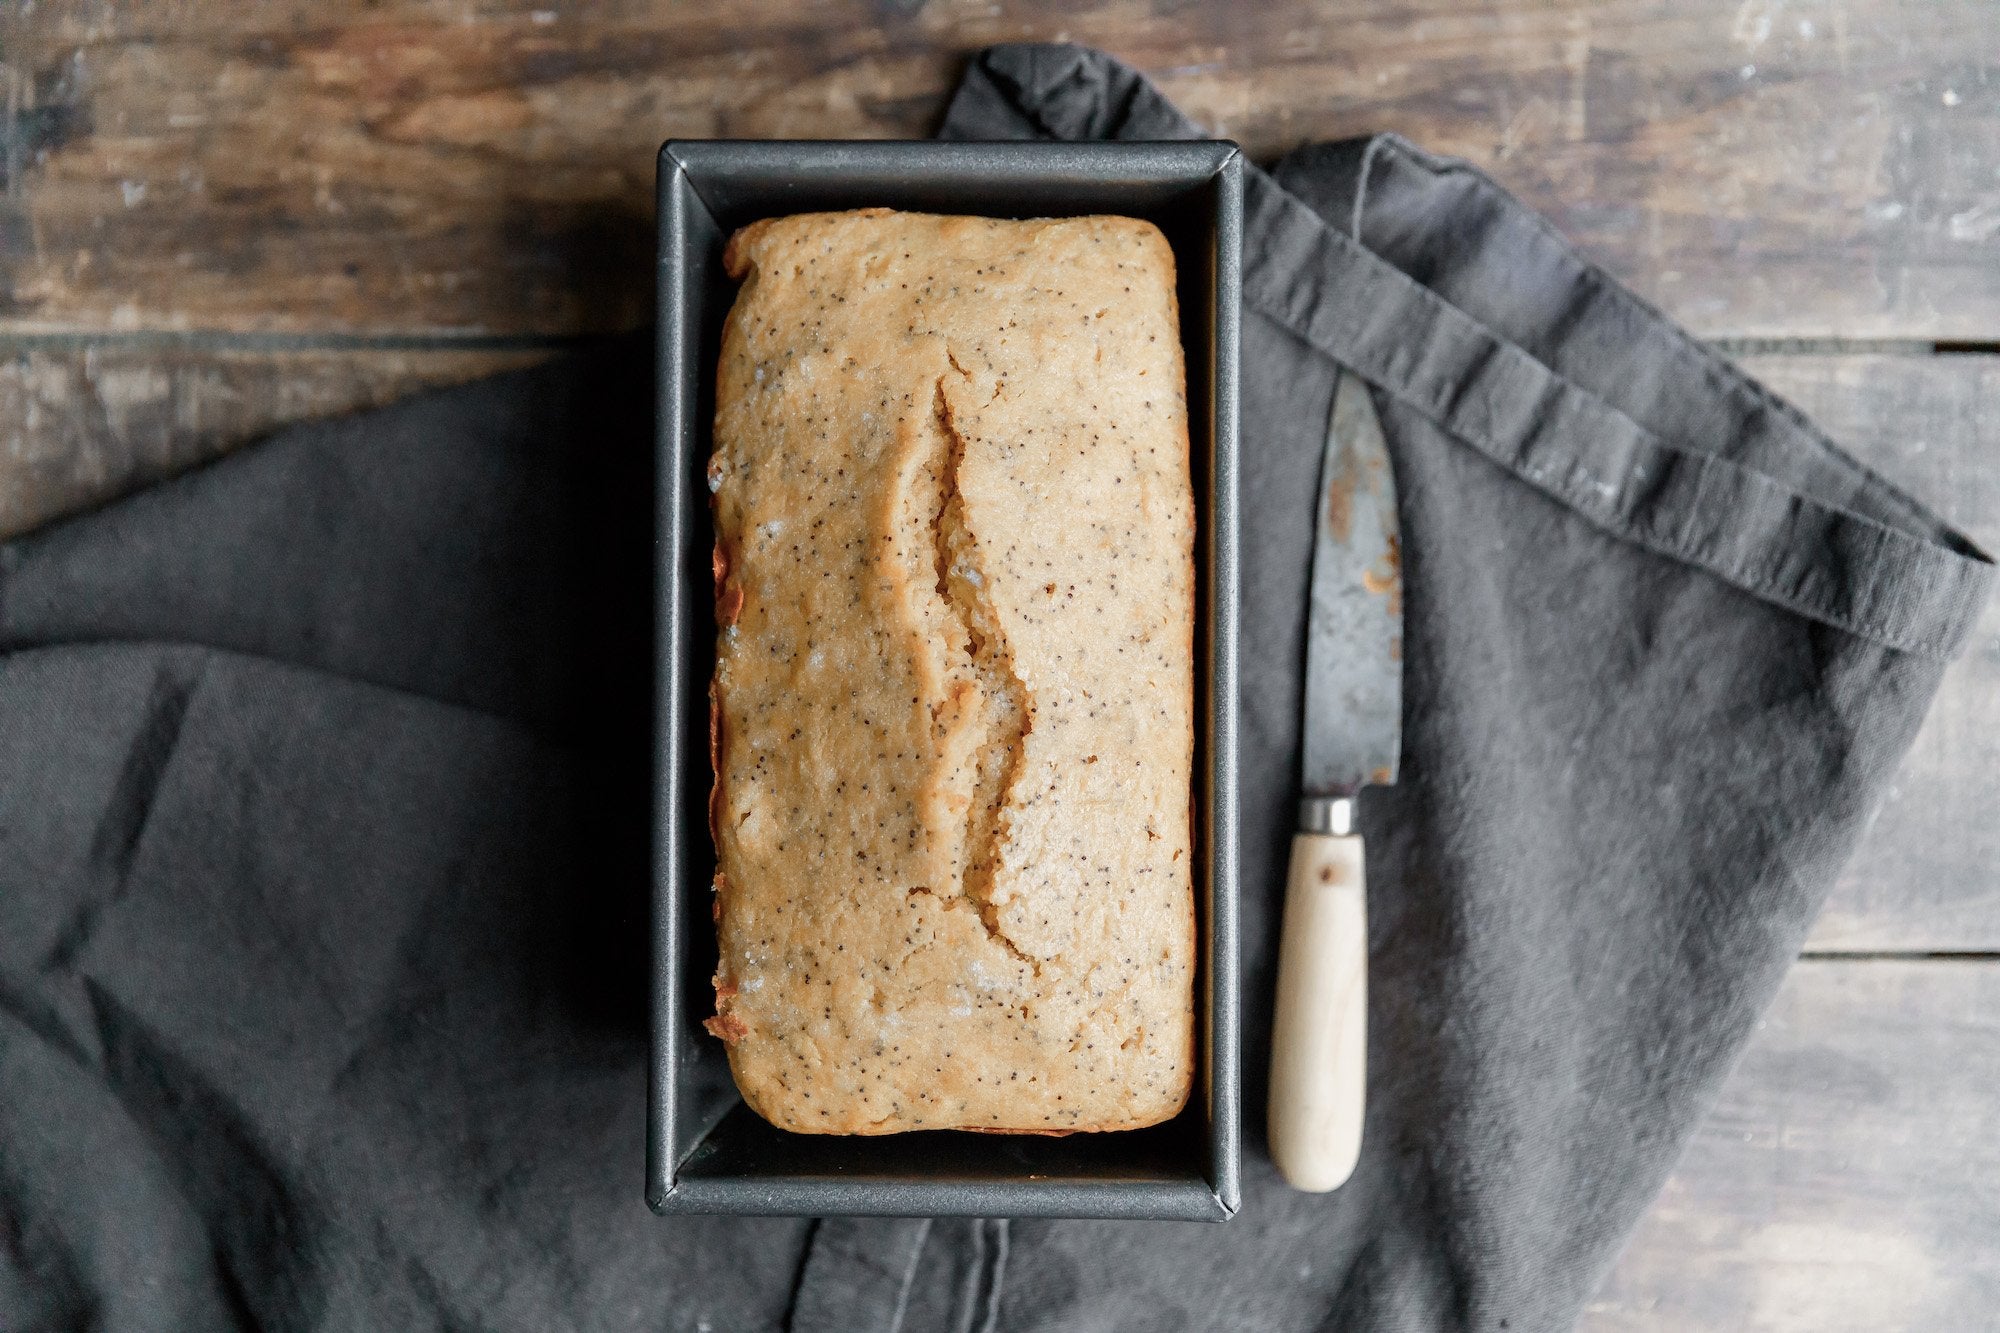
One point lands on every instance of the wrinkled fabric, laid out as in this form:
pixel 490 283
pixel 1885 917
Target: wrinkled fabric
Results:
pixel 323 801
pixel 322 907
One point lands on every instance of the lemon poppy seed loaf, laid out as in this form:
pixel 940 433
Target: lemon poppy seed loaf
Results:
pixel 953 699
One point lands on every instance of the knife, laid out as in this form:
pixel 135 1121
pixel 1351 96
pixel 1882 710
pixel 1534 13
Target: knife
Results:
pixel 1352 739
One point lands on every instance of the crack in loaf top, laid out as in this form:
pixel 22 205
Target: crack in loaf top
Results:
pixel 954 687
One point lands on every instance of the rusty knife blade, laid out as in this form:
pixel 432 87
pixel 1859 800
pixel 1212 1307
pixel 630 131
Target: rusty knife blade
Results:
pixel 1354 624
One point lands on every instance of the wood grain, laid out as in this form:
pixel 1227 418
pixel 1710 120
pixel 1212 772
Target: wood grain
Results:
pixel 80 427
pixel 1844 1181
pixel 1756 166
pixel 1927 877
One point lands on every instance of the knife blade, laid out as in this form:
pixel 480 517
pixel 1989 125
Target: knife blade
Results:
pixel 1352 738
pixel 1353 724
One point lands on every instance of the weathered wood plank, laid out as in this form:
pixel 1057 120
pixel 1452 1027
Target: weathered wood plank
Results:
pixel 1844 1181
pixel 1758 167
pixel 81 427
pixel 1927 877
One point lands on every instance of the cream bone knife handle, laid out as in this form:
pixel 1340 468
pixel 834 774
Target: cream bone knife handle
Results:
pixel 1319 1035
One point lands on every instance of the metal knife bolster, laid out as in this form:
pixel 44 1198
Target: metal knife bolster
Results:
pixel 1330 815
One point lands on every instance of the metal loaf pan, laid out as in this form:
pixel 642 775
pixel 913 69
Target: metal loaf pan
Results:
pixel 706 1151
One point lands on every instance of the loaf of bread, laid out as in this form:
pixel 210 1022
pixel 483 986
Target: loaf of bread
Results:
pixel 953 696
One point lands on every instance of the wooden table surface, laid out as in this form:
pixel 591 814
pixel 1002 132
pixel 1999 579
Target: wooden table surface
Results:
pixel 217 218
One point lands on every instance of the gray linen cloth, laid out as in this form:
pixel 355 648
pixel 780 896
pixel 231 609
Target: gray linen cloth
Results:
pixel 322 821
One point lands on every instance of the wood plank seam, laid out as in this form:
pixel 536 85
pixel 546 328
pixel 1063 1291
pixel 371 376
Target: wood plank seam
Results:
pixel 335 341
pixel 1898 956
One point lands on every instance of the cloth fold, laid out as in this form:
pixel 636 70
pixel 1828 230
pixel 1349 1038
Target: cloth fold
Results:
pixel 322 820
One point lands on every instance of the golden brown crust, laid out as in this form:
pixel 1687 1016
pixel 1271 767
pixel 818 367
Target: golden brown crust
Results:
pixel 726 1027
pixel 715 761
pixel 953 720
pixel 735 255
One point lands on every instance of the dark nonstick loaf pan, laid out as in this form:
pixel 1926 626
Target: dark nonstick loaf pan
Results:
pixel 706 1151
